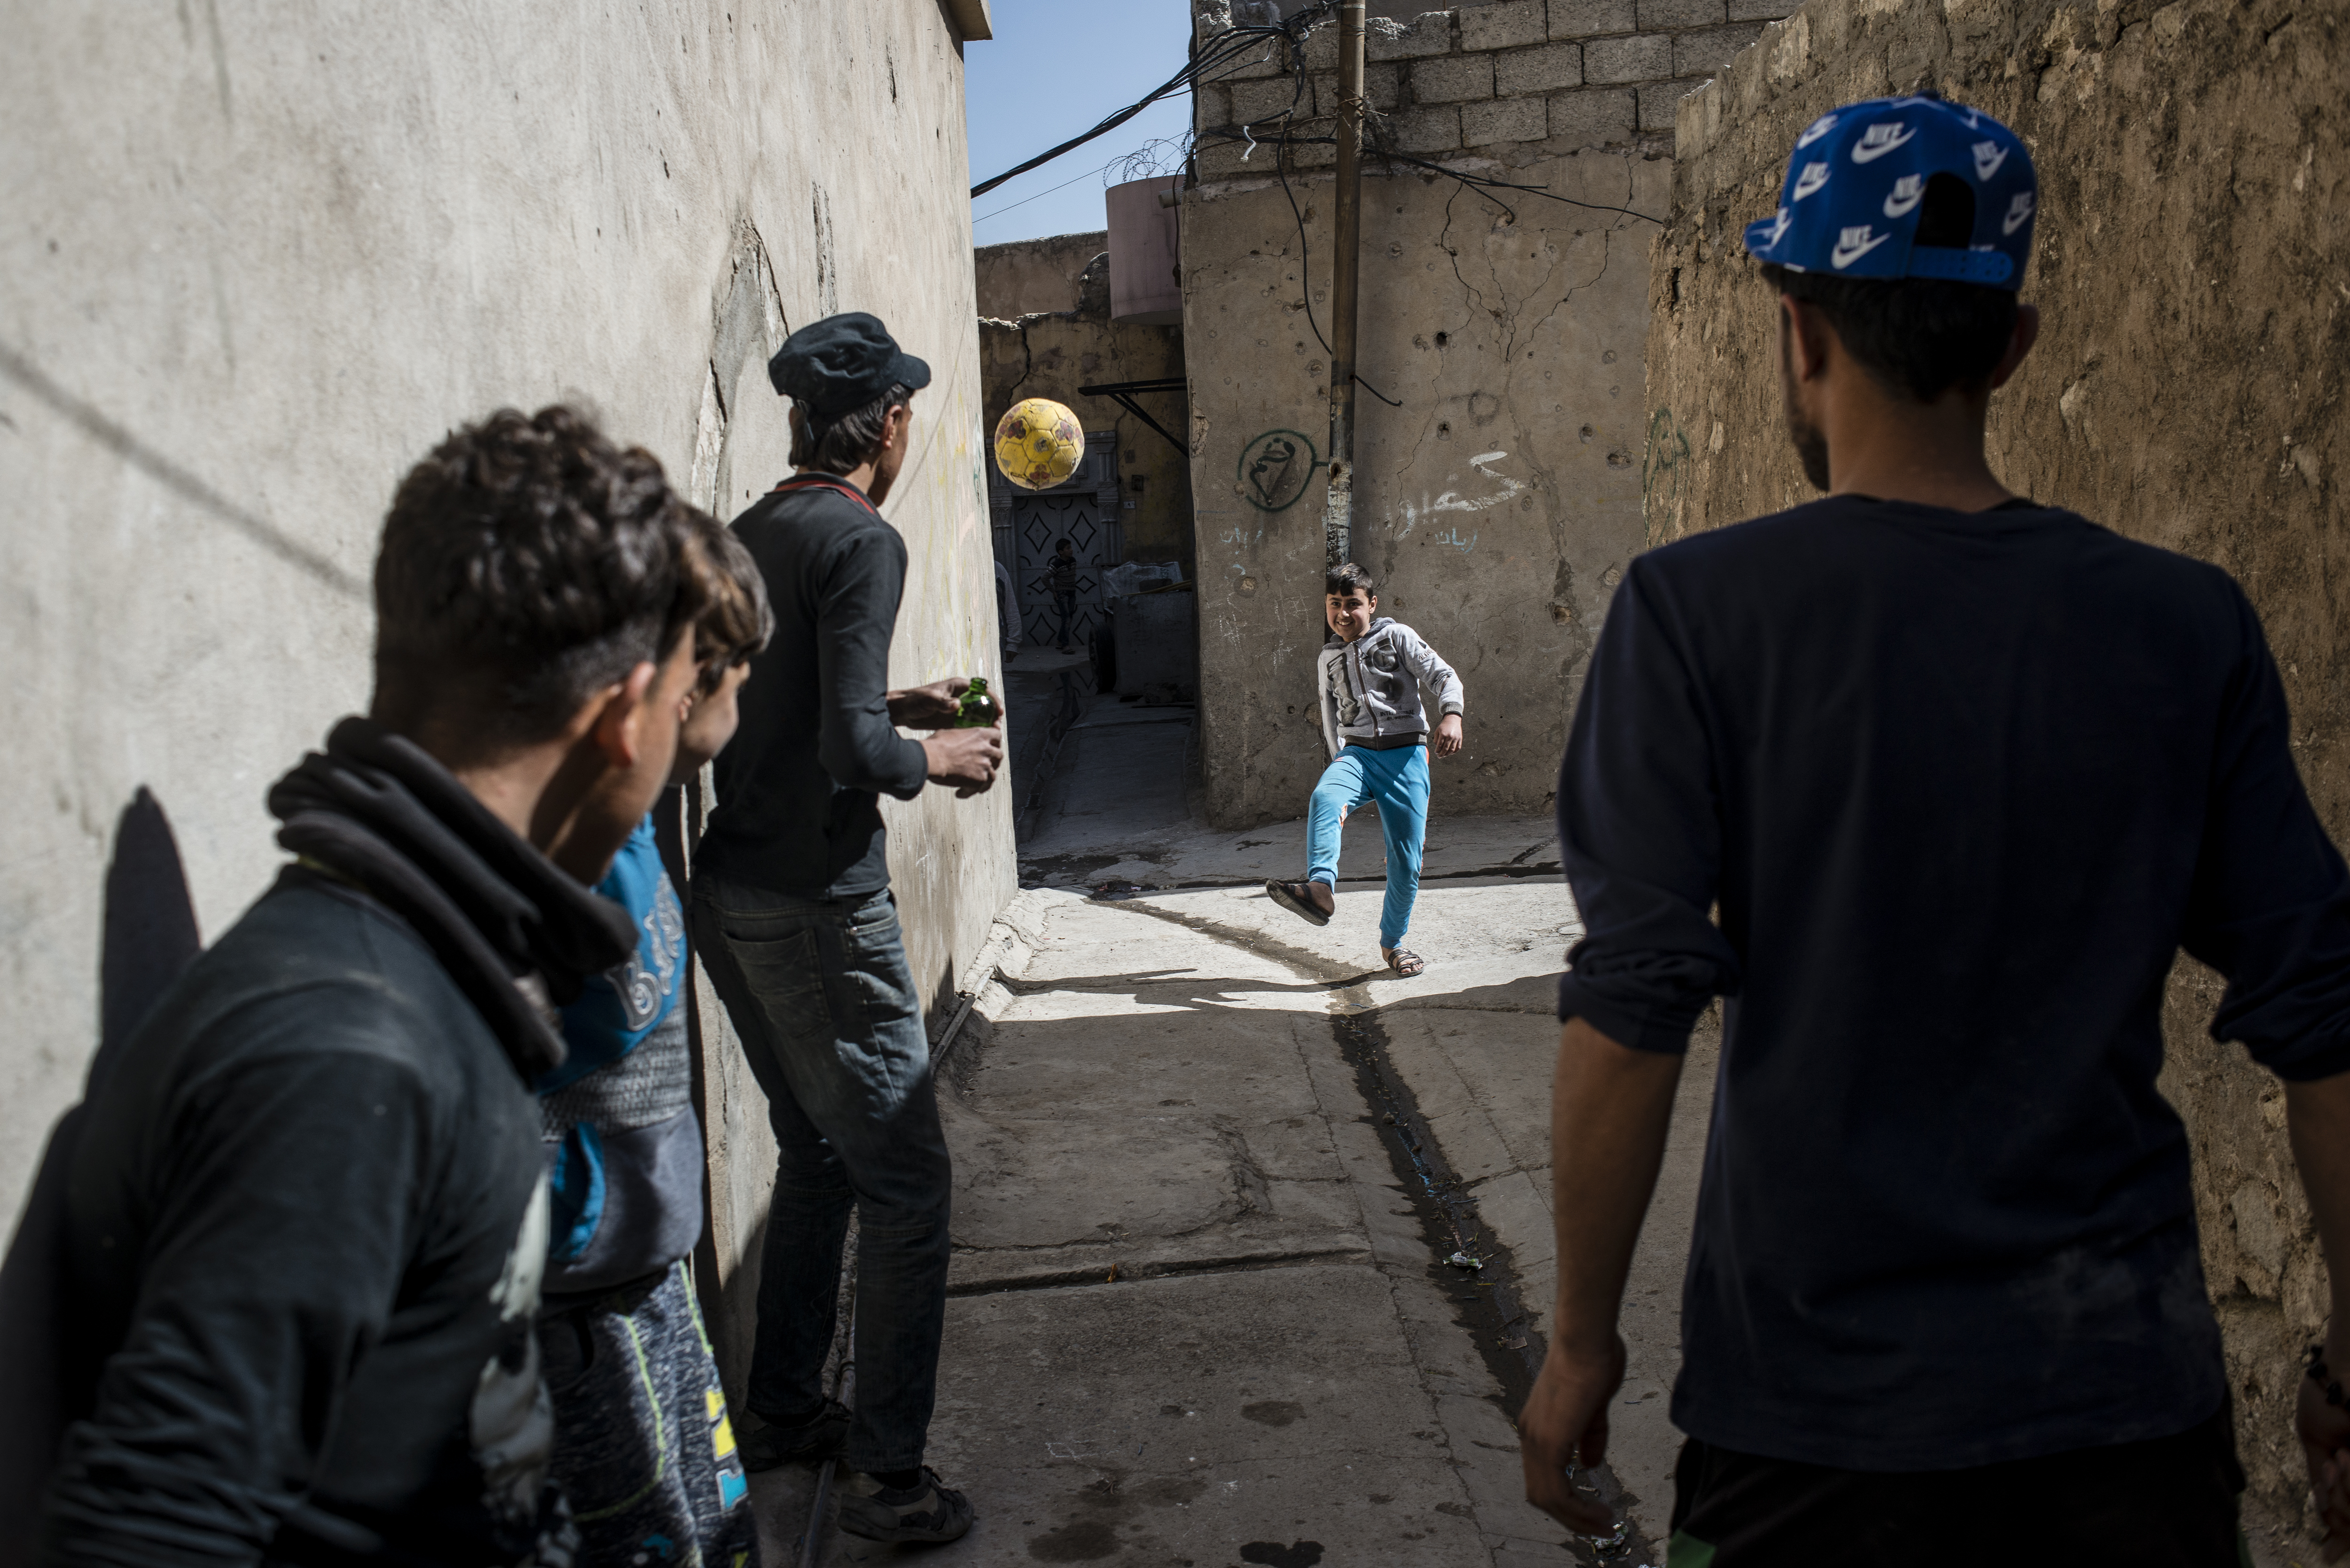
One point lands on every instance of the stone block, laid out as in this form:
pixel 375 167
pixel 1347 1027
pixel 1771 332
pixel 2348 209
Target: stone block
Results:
pixel 1383 86
pixel 1591 19
pixel 1648 57
pixel 1659 102
pixel 1507 25
pixel 1257 101
pixel 1703 54
pixel 1221 160
pixel 1265 59
pixel 1503 120
pixel 1427 129
pixel 1545 69
pixel 1322 46
pixel 1429 33
pixel 1655 15
pixel 1211 104
pixel 1760 10
pixel 1453 79
pixel 1592 118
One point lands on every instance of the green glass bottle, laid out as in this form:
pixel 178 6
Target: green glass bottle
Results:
pixel 978 709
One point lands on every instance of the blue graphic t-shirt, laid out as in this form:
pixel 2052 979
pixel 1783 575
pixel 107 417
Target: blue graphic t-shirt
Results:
pixel 617 1010
pixel 622 1139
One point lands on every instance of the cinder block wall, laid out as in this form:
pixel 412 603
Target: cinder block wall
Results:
pixel 1498 503
pixel 2187 390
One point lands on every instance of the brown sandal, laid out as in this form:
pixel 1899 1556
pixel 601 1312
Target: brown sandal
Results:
pixel 1406 962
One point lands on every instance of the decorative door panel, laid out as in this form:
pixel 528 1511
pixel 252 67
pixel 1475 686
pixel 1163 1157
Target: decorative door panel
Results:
pixel 1085 511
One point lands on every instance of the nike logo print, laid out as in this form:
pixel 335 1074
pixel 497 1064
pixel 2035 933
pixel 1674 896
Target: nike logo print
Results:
pixel 1852 245
pixel 1907 192
pixel 1988 156
pixel 1814 176
pixel 1816 129
pixel 2018 212
pixel 1879 139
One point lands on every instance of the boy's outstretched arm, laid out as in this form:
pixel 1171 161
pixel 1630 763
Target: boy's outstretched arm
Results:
pixel 1610 1109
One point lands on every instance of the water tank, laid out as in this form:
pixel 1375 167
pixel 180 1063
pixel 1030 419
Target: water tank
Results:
pixel 1146 285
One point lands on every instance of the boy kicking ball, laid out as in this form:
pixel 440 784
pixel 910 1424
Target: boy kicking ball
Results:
pixel 1370 673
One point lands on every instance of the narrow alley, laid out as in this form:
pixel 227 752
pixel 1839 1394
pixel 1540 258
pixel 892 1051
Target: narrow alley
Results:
pixel 1252 1238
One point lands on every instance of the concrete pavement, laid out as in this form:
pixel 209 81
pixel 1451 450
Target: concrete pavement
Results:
pixel 1210 1162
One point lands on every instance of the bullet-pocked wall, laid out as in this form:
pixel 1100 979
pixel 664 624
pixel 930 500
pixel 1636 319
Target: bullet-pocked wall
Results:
pixel 258 259
pixel 1496 497
pixel 2185 390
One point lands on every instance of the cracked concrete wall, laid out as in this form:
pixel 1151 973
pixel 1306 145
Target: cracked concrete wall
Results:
pixel 258 259
pixel 1050 354
pixel 1496 506
pixel 1028 277
pixel 2187 390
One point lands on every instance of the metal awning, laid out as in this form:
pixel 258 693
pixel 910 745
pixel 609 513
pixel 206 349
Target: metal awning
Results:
pixel 1122 393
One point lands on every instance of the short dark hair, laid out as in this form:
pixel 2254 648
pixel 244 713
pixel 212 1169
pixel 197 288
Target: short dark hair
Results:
pixel 1349 579
pixel 1916 336
pixel 848 442
pixel 736 620
pixel 1059 544
pixel 526 564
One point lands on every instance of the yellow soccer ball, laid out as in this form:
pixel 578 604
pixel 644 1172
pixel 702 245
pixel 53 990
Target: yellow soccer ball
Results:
pixel 1039 443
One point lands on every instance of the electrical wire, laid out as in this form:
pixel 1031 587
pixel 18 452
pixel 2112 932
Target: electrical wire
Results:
pixel 1224 50
pixel 1047 192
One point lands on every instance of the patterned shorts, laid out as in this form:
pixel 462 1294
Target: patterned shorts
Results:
pixel 643 1444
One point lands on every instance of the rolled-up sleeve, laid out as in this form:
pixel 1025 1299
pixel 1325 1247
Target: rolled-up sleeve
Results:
pixel 1639 823
pixel 2271 908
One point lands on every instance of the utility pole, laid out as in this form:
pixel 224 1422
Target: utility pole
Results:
pixel 1338 506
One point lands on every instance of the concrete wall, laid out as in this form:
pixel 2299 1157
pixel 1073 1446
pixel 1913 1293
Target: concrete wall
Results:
pixel 1051 353
pixel 1499 502
pixel 258 259
pixel 1024 277
pixel 2185 390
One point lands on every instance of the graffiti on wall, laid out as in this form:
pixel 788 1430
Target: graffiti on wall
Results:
pixel 1275 469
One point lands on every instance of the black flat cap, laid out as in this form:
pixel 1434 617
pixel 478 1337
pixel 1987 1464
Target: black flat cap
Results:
pixel 843 363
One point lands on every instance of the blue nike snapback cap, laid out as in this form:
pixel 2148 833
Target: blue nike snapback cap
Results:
pixel 1858 178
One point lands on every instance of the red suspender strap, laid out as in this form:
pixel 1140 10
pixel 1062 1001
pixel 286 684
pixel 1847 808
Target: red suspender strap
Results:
pixel 826 482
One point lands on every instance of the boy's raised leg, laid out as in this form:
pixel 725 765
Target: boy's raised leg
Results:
pixel 1342 788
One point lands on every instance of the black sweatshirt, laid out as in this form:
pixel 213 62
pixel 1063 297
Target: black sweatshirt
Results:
pixel 306 1218
pixel 799 788
pixel 1961 786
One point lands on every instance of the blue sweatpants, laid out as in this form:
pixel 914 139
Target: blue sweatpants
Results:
pixel 1397 780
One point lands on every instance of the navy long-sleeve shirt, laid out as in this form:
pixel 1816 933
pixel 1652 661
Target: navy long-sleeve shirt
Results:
pixel 799 788
pixel 1960 786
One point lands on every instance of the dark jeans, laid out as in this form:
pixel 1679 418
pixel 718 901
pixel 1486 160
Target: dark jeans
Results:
pixel 821 995
pixel 1065 605
pixel 2168 1503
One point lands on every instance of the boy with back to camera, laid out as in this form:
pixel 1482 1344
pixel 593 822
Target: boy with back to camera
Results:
pixel 1373 720
pixel 1933 781
pixel 308 1212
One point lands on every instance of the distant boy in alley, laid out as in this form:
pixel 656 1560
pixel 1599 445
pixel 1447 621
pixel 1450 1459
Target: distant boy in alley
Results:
pixel 1370 675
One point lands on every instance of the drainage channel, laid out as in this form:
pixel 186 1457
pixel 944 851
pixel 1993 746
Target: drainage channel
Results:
pixel 1487 1302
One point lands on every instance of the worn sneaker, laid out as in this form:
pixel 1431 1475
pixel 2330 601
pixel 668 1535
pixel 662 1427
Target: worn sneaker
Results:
pixel 813 1440
pixel 927 1511
pixel 1297 898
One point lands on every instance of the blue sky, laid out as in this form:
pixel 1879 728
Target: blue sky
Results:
pixel 1052 71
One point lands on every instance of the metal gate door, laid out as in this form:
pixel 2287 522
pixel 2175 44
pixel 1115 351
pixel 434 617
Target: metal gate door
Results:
pixel 1084 510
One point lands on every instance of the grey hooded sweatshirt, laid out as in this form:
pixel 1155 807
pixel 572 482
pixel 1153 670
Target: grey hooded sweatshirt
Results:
pixel 1370 688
